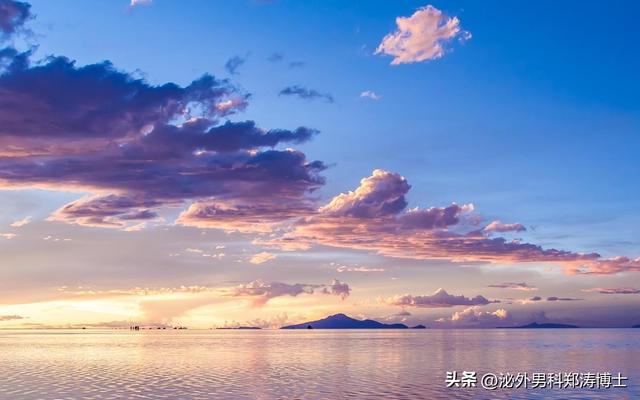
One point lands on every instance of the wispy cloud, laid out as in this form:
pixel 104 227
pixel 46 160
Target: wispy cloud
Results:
pixel 305 93
pixel 233 64
pixel 261 258
pixel 422 36
pixel 513 285
pixel 370 94
pixel 10 317
pixel 623 290
pixel 137 3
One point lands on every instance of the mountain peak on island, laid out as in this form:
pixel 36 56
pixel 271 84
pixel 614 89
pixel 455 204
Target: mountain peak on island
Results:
pixel 342 321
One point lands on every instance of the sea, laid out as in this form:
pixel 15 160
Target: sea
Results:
pixel 320 364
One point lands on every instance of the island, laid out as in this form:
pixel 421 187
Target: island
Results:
pixel 342 321
pixel 636 326
pixel 535 325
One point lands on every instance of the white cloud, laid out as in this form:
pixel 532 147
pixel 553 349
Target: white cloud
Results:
pixel 475 317
pixel 261 258
pixel 422 36
pixel 370 94
pixel 8 236
pixel 135 3
pixel 24 221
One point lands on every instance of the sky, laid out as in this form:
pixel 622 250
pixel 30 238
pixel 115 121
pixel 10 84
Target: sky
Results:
pixel 220 163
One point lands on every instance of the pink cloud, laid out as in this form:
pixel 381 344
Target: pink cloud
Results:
pixel 421 37
pixel 373 217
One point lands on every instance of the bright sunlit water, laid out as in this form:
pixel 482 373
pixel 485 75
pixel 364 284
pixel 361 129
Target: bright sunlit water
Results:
pixel 272 364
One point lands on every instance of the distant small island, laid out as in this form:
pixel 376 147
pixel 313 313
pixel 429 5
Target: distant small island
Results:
pixel 636 326
pixel 342 321
pixel 535 325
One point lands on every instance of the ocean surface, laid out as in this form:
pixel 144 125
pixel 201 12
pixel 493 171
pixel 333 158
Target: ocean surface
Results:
pixel 273 364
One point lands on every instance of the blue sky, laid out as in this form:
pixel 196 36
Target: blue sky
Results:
pixel 535 119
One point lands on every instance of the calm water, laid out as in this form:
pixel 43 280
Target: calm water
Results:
pixel 304 364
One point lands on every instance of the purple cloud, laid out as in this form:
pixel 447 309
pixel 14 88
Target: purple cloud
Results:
pixel 13 15
pixel 556 298
pixel 625 290
pixel 305 93
pixel 437 300
pixel 141 147
pixel 260 292
pixel 497 226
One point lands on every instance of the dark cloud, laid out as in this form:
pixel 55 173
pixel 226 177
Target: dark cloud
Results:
pixel 536 298
pixel 297 64
pixel 13 15
pixel 233 64
pixel 555 298
pixel 438 300
pixel 95 128
pixel 305 93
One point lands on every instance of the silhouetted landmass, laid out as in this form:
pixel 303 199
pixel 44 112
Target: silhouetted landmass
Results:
pixel 548 325
pixel 341 321
pixel 419 327
pixel 636 326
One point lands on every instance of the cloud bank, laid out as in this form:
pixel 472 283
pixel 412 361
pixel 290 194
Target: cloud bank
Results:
pixel 437 300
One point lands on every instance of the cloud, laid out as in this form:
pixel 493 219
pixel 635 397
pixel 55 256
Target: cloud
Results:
pixel 535 298
pixel 624 290
pixel 374 217
pixel 261 258
pixel 422 36
pixel 475 317
pixel 369 94
pixel 497 226
pixel 10 317
pixel 136 3
pixel 20 223
pixel 305 93
pixel 297 64
pixel 437 300
pixel 260 292
pixel 357 268
pixel 513 285
pixel 13 15
pixel 556 298
pixel 233 64
pixel 275 57
pixel 338 288
pixel 8 236
pixel 139 147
